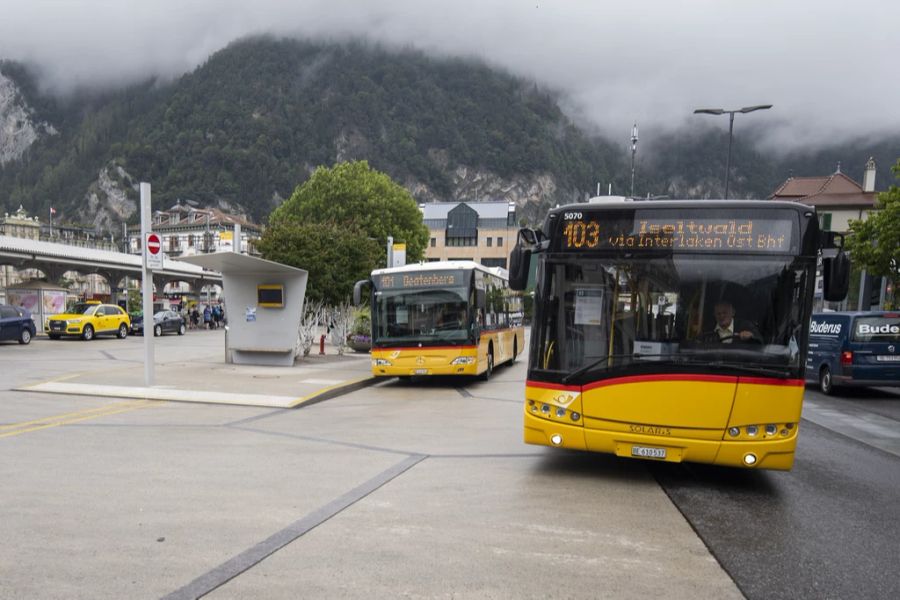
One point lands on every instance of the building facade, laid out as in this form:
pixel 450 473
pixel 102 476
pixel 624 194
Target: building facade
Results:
pixel 186 230
pixel 838 199
pixel 483 232
pixel 20 225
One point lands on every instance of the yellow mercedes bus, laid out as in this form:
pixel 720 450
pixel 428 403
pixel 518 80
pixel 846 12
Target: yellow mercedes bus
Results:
pixel 442 318
pixel 673 330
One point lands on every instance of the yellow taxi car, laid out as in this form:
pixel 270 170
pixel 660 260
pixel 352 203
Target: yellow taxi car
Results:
pixel 87 320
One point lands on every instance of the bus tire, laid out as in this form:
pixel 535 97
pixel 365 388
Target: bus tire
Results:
pixel 490 364
pixel 515 350
pixel 826 383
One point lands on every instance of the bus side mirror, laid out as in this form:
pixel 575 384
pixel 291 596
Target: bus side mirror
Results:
pixel 357 291
pixel 519 262
pixel 836 272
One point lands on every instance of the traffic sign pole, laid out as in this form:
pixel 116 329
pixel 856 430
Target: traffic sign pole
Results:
pixel 147 287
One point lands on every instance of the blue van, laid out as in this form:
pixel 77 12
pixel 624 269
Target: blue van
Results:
pixel 854 348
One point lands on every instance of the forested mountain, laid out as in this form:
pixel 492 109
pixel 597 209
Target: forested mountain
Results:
pixel 245 128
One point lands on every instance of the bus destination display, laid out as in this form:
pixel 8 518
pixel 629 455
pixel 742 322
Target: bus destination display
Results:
pixel 420 279
pixel 677 234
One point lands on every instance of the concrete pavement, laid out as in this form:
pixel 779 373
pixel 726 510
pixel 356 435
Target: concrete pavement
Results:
pixel 210 380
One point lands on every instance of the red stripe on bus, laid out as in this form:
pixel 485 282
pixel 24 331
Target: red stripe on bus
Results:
pixel 662 377
pixel 552 386
pixel 668 377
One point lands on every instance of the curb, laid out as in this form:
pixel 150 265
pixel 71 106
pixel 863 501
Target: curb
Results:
pixel 335 391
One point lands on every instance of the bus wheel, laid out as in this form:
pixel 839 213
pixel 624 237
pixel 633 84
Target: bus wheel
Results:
pixel 515 351
pixel 825 383
pixel 490 365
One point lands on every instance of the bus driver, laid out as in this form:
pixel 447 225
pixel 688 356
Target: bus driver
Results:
pixel 729 329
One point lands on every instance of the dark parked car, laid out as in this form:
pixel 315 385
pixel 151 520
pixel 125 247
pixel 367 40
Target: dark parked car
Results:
pixel 16 324
pixel 165 321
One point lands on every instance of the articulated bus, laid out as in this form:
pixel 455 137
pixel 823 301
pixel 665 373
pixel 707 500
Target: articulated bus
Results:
pixel 673 330
pixel 442 318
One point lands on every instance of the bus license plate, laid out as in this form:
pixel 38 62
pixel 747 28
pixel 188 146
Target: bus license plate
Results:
pixel 420 372
pixel 645 452
pixel 888 358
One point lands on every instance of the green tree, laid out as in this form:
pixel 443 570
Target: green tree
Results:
pixel 336 256
pixel 358 197
pixel 874 244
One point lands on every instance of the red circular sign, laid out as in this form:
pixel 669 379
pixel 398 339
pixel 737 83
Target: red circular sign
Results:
pixel 153 243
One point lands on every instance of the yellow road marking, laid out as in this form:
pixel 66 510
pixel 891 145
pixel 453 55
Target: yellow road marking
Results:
pixel 305 399
pixel 62 416
pixel 75 417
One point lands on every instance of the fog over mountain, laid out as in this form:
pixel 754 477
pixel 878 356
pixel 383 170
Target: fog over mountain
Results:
pixel 828 67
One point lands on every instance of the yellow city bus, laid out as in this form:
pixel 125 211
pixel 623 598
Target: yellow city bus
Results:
pixel 673 330
pixel 442 318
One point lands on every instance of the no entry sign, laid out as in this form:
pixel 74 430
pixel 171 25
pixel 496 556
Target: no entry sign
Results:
pixel 153 255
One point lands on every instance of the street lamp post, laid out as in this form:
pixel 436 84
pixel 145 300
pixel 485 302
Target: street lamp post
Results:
pixel 730 113
pixel 634 141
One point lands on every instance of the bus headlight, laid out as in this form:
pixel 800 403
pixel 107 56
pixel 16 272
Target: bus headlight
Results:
pixel 463 360
pixel 382 362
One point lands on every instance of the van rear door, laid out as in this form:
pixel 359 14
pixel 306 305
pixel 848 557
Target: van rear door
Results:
pixel 875 343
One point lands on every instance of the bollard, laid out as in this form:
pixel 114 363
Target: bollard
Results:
pixel 322 345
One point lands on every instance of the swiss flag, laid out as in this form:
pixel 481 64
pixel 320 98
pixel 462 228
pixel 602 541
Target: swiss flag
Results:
pixel 52 211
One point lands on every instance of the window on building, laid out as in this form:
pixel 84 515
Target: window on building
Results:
pixel 489 241
pixel 433 242
pixel 190 241
pixel 173 243
pixel 494 262
pixel 499 242
pixel 462 226
pixel 825 221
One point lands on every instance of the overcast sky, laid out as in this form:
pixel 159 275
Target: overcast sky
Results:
pixel 829 67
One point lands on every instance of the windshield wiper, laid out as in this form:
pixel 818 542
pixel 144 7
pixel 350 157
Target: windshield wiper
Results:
pixel 603 360
pixel 748 368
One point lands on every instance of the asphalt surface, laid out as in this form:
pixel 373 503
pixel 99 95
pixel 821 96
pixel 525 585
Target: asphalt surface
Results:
pixel 827 529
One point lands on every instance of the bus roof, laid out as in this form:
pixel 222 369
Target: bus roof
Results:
pixel 443 265
pixel 621 203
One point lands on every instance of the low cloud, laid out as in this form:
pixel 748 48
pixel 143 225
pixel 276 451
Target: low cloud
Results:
pixel 828 69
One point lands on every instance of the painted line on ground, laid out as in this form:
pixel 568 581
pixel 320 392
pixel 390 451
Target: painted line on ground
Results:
pixel 249 558
pixel 76 417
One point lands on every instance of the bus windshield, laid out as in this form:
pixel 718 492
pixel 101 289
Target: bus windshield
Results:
pixel 605 317
pixel 426 315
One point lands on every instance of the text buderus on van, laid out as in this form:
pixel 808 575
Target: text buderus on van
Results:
pixel 854 349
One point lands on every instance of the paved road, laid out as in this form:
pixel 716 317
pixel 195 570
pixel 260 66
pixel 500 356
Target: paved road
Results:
pixel 830 527
pixel 412 490
pixel 421 490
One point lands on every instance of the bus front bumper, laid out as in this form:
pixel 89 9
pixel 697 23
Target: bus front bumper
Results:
pixel 401 371
pixel 777 454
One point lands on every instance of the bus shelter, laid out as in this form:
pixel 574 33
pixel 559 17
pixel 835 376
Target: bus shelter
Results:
pixel 263 303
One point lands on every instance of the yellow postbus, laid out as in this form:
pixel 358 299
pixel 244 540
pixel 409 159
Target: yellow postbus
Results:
pixel 442 318
pixel 673 330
